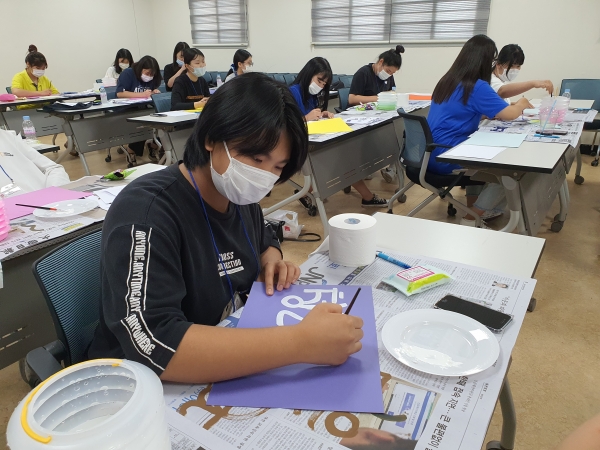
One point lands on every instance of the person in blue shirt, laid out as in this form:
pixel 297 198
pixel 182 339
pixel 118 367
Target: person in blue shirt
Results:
pixel 311 91
pixel 460 99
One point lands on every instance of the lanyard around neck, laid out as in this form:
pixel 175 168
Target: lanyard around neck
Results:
pixel 214 242
pixel 6 173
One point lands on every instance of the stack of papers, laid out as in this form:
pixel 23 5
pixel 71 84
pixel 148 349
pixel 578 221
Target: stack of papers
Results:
pixel 513 140
pixel 475 151
pixel 107 196
pixel 130 101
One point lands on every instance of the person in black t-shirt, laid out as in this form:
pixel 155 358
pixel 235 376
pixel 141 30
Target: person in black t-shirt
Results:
pixel 377 77
pixel 190 90
pixel 179 246
pixel 173 70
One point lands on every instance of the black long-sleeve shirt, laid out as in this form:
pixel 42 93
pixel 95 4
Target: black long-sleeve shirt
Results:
pixel 168 71
pixel 185 92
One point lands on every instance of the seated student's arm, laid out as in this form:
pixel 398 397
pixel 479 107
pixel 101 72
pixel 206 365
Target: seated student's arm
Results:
pixel 488 103
pixel 511 89
pixel 146 317
pixel 55 173
pixel 25 93
pixel 359 83
pixel 513 111
pixel 586 437
pixel 126 86
pixel 53 89
pixel 178 98
pixel 172 79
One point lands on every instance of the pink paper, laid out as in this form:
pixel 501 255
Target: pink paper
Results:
pixel 38 198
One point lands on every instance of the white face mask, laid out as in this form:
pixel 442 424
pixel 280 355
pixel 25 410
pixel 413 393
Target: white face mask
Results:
pixel 123 66
pixel 314 88
pixel 247 69
pixel 242 184
pixel 38 72
pixel 179 62
pixel 147 78
pixel 383 75
pixel 510 76
pixel 199 71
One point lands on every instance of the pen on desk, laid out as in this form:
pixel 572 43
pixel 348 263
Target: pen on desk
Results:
pixel 37 207
pixel 352 302
pixel 392 260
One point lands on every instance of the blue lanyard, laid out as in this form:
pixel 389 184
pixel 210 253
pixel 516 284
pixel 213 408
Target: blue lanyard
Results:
pixel 5 173
pixel 214 242
pixel 193 87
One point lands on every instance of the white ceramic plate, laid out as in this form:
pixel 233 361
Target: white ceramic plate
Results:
pixel 440 342
pixel 67 208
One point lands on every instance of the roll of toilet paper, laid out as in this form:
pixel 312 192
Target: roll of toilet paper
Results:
pixel 402 100
pixel 352 239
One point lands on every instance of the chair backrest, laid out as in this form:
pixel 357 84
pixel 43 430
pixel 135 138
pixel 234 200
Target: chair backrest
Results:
pixel 69 277
pixel 99 80
pixel 418 137
pixel 111 92
pixel 279 77
pixel 9 90
pixel 289 78
pixel 344 93
pixel 162 88
pixel 583 89
pixel 347 80
pixel 162 102
pixel 223 76
pixel 208 77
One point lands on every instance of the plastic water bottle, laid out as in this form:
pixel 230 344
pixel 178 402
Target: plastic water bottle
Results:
pixel 219 81
pixel 29 129
pixel 567 95
pixel 103 97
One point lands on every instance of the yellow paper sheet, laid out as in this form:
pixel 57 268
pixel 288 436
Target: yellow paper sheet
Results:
pixel 195 110
pixel 335 125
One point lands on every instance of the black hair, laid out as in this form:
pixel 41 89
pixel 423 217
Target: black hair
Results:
pixel 512 55
pixel 189 54
pixel 250 113
pixel 148 62
pixel 315 66
pixel 181 46
pixel 35 58
pixel 125 54
pixel 392 57
pixel 474 62
pixel 239 56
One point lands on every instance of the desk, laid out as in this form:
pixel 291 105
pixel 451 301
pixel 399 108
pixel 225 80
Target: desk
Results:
pixel 173 129
pixel 100 127
pixel 25 321
pixel 532 176
pixel 45 125
pixel 45 148
pixel 583 104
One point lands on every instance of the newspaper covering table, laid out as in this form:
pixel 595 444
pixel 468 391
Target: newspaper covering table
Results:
pixel 424 412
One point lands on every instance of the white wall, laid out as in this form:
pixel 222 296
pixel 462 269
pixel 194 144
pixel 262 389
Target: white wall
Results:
pixel 78 43
pixel 561 39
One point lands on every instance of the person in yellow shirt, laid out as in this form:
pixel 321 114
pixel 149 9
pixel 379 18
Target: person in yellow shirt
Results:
pixel 32 82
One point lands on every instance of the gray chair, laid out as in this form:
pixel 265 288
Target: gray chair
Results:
pixel 163 88
pixel 99 80
pixel 162 102
pixel 343 93
pixel 279 77
pixel 347 80
pixel 111 92
pixel 586 89
pixel 289 78
pixel 9 90
pixel 415 156
pixel 69 277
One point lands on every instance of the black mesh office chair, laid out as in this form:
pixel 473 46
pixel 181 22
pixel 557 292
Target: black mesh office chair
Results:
pixel 343 94
pixel 69 277
pixel 418 145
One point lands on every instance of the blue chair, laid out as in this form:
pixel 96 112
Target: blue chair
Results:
pixel 347 80
pixel 279 77
pixel 162 102
pixel 99 80
pixel 289 78
pixel 223 76
pixel 69 277
pixel 162 88
pixel 208 78
pixel 343 93
pixel 586 89
pixel 9 90
pixel 111 92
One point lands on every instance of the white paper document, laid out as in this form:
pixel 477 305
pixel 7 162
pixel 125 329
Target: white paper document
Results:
pixel 179 114
pixel 422 411
pixel 185 435
pixel 108 195
pixel 474 151
pixel 496 139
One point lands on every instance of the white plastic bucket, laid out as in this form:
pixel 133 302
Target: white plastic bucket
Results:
pixel 103 404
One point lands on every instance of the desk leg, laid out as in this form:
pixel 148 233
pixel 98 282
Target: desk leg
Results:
pixel 513 198
pixel 70 145
pixel 320 207
pixel 301 193
pixel 169 150
pixel 578 178
pixel 84 162
pixel 509 420
pixel 4 123
pixel 563 198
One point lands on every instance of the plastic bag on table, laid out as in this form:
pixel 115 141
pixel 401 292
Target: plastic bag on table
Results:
pixel 291 228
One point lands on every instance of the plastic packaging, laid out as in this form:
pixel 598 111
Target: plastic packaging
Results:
pixel 387 101
pixel 118 174
pixel 567 95
pixel 417 279
pixel 402 100
pixel 95 405
pixel 553 111
pixel 219 81
pixel 103 96
pixel 291 228
pixel 29 129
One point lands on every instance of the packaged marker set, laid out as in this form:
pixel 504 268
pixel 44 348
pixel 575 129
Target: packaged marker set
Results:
pixel 417 279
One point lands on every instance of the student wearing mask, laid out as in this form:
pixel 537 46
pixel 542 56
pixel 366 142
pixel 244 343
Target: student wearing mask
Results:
pixel 377 77
pixel 190 90
pixel 140 81
pixel 242 63
pixel 311 92
pixel 123 60
pixel 32 82
pixel 173 70
pixel 506 69
pixel 178 229
pixel 459 100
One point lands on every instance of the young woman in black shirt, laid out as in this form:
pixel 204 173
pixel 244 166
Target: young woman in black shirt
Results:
pixel 173 70
pixel 190 90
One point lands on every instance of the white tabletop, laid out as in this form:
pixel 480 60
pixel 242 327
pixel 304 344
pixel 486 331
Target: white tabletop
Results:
pixel 48 99
pixel 512 254
pixel 539 157
pixel 151 119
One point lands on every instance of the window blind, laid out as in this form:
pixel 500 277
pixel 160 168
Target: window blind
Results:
pixel 397 21
pixel 219 22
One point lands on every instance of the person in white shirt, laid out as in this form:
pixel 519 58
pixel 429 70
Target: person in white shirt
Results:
pixel 22 165
pixel 123 61
pixel 506 69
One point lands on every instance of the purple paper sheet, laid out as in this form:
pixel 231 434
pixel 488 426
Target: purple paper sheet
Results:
pixel 354 386
pixel 38 198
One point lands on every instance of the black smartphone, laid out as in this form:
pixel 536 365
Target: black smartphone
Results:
pixel 553 132
pixel 494 320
